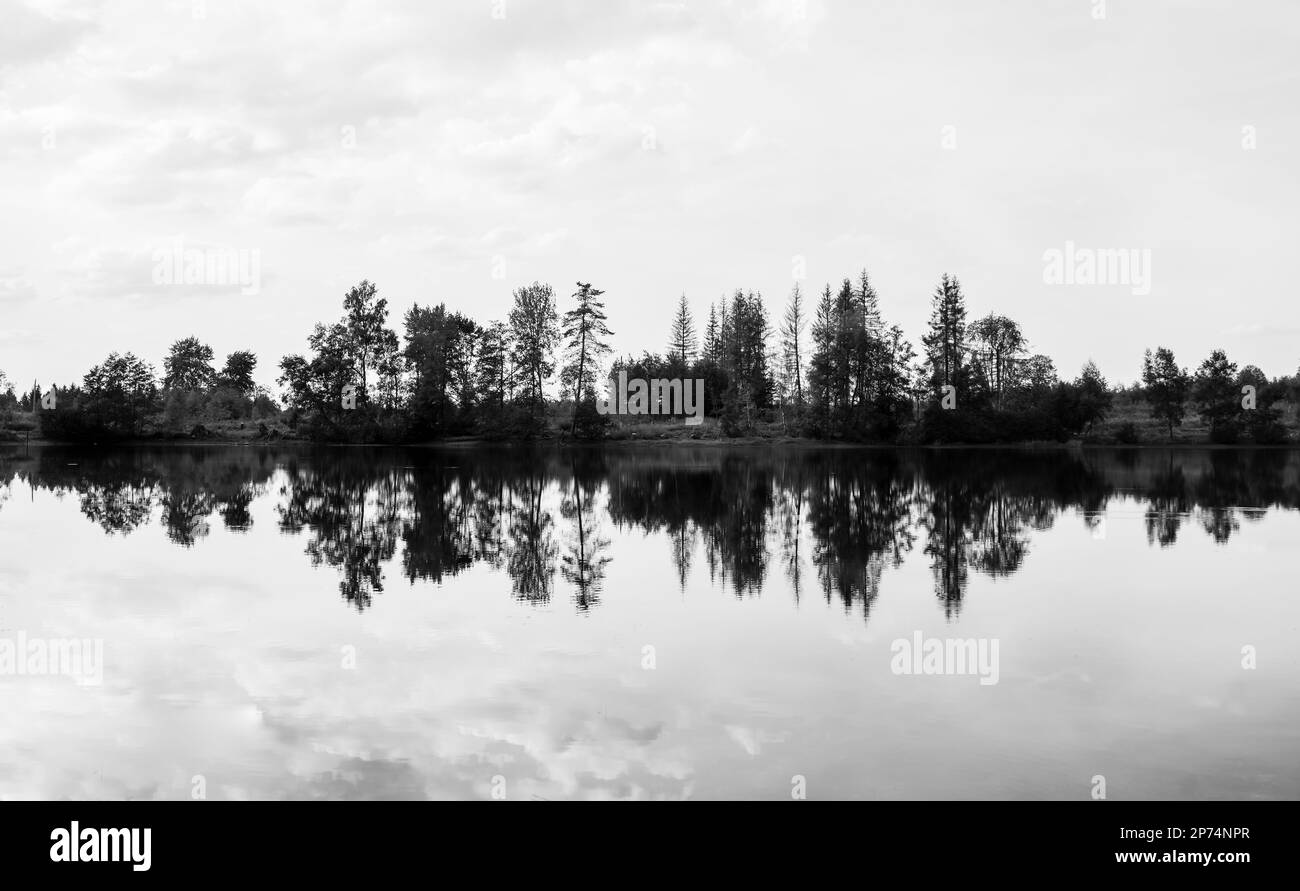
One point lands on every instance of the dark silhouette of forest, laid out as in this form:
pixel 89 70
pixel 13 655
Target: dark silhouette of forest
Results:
pixel 829 368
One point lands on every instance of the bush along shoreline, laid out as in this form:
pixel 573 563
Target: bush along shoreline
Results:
pixel 829 369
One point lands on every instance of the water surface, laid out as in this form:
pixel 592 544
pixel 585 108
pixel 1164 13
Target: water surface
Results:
pixel 650 622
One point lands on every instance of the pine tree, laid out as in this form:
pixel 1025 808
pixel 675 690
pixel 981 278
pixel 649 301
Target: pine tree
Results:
pixel 724 333
pixel 946 338
pixel 712 347
pixel 866 348
pixel 821 366
pixel 792 325
pixel 847 326
pixel 749 380
pixel 869 305
pixel 682 343
pixel 584 328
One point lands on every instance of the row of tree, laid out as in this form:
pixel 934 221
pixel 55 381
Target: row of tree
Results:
pixel 124 397
pixel 832 370
pixel 835 370
pixel 1234 404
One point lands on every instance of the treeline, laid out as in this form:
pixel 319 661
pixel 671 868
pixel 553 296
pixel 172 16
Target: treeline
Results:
pixel 123 397
pixel 831 367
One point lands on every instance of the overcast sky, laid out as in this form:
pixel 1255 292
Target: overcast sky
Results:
pixel 453 151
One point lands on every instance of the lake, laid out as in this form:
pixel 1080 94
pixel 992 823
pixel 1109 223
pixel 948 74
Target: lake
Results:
pixel 646 622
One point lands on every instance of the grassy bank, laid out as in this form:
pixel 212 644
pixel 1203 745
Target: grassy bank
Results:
pixel 1194 431
pixel 1126 412
pixel 24 427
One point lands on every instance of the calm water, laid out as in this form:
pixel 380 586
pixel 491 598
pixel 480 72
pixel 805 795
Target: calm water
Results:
pixel 654 623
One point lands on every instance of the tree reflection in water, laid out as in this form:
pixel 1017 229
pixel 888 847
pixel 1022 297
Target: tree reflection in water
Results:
pixel 838 519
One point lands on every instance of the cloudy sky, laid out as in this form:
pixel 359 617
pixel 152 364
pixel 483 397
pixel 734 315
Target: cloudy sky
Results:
pixel 453 151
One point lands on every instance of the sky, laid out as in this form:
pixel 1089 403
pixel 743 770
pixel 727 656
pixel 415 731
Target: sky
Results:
pixel 451 152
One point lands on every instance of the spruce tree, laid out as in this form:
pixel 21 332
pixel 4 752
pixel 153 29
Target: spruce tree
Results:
pixel 682 343
pixel 792 325
pixel 945 340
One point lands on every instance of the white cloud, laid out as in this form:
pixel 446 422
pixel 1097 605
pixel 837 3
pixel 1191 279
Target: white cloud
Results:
pixel 676 146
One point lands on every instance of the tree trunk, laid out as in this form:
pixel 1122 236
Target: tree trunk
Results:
pixel 582 363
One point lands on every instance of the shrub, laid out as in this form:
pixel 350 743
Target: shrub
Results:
pixel 589 423
pixel 1127 434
